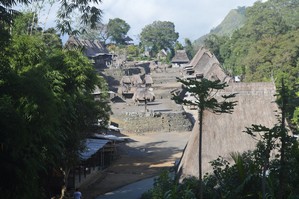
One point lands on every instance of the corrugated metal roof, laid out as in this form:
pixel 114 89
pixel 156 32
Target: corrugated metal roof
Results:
pixel 92 146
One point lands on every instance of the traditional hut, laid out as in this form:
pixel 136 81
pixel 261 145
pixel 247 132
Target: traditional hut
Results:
pixel 143 94
pixel 136 80
pixel 126 80
pixel 180 58
pixel 126 89
pixel 222 134
pixel 205 64
pixel 94 50
pixel 148 80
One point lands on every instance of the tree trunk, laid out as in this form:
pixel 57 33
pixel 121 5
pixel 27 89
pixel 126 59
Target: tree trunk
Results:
pixel 200 119
pixel 282 172
pixel 66 173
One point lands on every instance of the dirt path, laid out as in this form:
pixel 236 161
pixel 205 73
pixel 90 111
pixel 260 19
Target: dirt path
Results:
pixel 141 157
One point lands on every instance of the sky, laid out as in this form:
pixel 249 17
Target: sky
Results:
pixel 192 18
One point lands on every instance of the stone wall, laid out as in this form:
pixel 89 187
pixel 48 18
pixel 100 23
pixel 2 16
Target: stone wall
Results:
pixel 154 122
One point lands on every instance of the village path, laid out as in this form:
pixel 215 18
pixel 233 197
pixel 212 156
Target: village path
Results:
pixel 142 156
pixel 132 191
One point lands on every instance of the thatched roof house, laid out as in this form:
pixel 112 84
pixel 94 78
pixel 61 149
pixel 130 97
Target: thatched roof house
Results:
pixel 222 134
pixel 205 64
pixel 94 50
pixel 125 80
pixel 136 80
pixel 180 58
pixel 148 80
pixel 142 94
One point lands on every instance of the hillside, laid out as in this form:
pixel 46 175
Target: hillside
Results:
pixel 265 47
pixel 233 21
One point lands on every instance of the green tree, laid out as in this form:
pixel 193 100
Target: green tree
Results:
pixel 237 180
pixel 204 93
pixel 89 13
pixel 269 143
pixel 189 48
pixel 214 43
pixel 100 32
pixel 159 35
pixel 45 95
pixel 178 46
pixel 117 30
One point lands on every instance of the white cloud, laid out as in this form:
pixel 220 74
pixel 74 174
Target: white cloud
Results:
pixel 192 18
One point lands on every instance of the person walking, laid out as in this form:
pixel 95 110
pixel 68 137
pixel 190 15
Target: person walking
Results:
pixel 77 194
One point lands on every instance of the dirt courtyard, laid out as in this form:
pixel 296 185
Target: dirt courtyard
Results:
pixel 142 156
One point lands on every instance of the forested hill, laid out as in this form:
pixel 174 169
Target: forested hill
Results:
pixel 266 47
pixel 233 21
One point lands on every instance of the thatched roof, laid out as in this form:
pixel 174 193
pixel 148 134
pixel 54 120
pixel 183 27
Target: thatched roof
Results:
pixel 90 48
pixel 148 79
pixel 136 80
pixel 204 62
pixel 125 80
pixel 142 94
pixel 180 57
pixel 153 65
pixel 222 134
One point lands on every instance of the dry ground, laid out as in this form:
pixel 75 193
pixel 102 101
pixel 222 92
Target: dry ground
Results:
pixel 142 156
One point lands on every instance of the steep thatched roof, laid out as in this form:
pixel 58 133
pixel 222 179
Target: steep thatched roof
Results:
pixel 180 57
pixel 222 134
pixel 204 62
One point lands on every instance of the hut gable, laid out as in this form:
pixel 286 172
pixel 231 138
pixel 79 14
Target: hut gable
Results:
pixel 222 134
pixel 205 63
pixel 136 80
pixel 180 58
pixel 148 80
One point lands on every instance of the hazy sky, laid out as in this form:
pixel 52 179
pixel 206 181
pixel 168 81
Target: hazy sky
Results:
pixel 192 18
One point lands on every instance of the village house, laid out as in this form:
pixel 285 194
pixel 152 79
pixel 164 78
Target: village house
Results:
pixel 94 50
pixel 205 65
pixel 180 59
pixel 223 134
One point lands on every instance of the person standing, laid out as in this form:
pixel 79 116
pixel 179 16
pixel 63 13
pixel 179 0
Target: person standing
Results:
pixel 77 194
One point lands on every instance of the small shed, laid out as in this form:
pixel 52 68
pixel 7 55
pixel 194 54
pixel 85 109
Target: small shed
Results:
pixel 97 155
pixel 180 58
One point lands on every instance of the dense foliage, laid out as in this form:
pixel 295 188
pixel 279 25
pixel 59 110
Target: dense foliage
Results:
pixel 117 30
pixel 88 13
pixel 46 107
pixel 269 171
pixel 265 48
pixel 159 35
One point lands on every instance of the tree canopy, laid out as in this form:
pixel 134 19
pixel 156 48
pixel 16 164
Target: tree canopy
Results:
pixel 117 30
pixel 89 13
pixel 159 35
pixel 265 48
pixel 47 106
